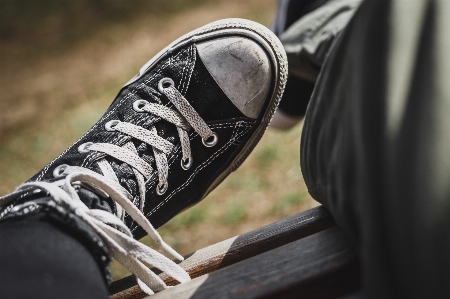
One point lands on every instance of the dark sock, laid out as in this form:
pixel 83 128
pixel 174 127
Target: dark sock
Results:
pixel 298 91
pixel 296 96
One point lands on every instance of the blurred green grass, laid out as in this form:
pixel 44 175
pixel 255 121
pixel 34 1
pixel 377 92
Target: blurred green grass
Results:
pixel 73 70
pixel 69 20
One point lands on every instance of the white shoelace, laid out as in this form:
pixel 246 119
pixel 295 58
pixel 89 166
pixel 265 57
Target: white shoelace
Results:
pixel 127 251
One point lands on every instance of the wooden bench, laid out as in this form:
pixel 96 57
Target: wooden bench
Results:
pixel 303 256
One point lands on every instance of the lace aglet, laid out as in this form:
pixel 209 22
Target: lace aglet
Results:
pixel 172 251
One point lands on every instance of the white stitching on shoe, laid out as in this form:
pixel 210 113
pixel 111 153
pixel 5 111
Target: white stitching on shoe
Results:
pixel 192 61
pixel 234 138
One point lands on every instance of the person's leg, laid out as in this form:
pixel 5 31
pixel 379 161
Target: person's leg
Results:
pixel 297 93
pixel 40 258
pixel 307 30
pixel 376 145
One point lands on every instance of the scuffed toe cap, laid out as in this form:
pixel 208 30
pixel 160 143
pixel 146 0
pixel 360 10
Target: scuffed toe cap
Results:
pixel 242 70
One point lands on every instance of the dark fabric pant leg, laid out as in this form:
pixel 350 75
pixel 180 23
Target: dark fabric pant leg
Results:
pixel 376 145
pixel 298 91
pixel 39 260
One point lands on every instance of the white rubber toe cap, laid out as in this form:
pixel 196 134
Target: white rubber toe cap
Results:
pixel 241 68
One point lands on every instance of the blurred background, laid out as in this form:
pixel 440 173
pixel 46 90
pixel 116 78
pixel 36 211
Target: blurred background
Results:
pixel 62 62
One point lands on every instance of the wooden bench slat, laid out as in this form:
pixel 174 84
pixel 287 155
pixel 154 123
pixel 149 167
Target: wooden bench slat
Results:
pixel 318 266
pixel 238 248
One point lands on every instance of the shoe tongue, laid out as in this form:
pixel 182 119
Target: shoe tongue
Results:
pixel 94 201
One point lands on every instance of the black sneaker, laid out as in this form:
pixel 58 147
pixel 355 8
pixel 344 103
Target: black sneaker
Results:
pixel 174 132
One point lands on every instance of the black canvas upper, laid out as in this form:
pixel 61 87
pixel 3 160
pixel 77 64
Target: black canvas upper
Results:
pixel 185 187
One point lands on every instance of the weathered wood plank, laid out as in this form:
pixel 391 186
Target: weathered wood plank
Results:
pixel 318 266
pixel 239 248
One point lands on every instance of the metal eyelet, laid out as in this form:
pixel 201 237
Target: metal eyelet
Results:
pixel 211 140
pixel 59 171
pixel 84 148
pixel 163 82
pixel 186 163
pixel 139 104
pixel 161 189
pixel 109 126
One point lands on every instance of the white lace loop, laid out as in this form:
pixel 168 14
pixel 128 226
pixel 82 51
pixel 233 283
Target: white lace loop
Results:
pixel 124 155
pixel 123 247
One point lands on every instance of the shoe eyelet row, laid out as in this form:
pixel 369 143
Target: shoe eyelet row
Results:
pixel 211 140
pixel 58 172
pixel 161 189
